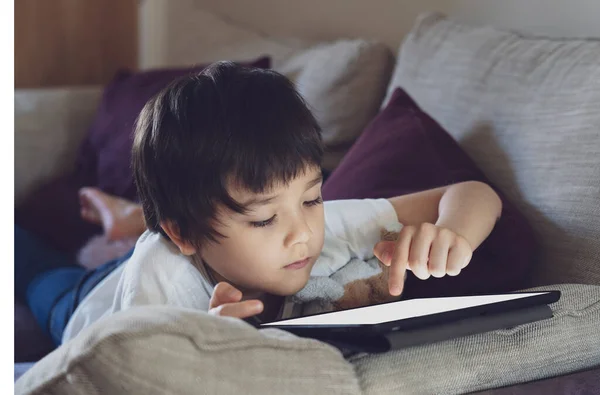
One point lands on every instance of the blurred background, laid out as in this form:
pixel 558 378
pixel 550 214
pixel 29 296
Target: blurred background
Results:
pixel 75 42
pixel 523 107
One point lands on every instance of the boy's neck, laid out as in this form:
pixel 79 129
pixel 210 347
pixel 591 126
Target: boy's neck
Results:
pixel 273 305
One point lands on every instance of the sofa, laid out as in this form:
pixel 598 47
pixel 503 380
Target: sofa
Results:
pixel 525 109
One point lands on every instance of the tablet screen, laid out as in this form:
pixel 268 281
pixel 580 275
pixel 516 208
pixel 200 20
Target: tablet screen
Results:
pixel 400 310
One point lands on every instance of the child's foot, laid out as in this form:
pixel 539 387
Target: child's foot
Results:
pixel 120 218
pixel 99 250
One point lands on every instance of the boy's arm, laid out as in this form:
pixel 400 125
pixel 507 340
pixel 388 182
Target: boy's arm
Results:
pixel 470 209
pixel 442 228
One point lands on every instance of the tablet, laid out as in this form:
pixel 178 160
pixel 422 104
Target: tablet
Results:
pixel 412 314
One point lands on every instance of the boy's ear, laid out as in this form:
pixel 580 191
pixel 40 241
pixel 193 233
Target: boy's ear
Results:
pixel 172 230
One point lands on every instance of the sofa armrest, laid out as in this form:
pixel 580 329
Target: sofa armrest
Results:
pixel 49 126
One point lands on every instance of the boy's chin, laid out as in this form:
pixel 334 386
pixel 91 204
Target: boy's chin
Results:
pixel 291 288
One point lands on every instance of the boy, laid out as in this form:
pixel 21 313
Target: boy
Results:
pixel 227 167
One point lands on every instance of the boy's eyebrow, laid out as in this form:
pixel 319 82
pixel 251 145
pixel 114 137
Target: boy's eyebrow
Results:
pixel 261 201
pixel 315 181
pixel 258 201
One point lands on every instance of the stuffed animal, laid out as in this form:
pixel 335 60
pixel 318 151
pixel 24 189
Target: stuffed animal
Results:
pixel 358 283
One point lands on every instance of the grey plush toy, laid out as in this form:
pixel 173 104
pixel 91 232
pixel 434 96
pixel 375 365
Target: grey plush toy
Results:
pixel 356 284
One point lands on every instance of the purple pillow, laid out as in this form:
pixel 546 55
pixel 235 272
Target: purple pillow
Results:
pixel 110 138
pixel 52 212
pixel 404 150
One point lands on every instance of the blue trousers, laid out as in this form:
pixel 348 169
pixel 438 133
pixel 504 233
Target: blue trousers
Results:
pixel 51 283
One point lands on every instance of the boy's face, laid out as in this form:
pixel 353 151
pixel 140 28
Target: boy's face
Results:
pixel 273 247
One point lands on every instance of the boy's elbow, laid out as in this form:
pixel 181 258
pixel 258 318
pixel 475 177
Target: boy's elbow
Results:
pixel 487 194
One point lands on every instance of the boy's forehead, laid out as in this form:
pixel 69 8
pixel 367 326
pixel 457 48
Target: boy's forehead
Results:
pixel 242 193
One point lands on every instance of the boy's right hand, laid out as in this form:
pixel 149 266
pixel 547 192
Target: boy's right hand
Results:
pixel 226 302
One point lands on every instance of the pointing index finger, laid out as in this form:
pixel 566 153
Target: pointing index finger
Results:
pixel 399 263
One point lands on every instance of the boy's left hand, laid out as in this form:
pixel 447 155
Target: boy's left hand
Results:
pixel 426 250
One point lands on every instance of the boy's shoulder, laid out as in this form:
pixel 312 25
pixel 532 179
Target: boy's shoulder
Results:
pixel 155 256
pixel 356 211
pixel 157 273
pixel 352 228
pixel 152 244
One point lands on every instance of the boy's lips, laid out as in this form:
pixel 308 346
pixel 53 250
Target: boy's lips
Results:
pixel 298 264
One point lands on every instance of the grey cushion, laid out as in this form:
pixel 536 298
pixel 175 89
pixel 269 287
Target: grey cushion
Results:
pixel 344 83
pixel 568 342
pixel 528 112
pixel 167 350
pixel 578 383
pixel 160 349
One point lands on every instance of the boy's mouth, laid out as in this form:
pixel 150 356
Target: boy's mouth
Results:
pixel 298 264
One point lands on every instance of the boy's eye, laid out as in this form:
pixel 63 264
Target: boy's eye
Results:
pixel 315 202
pixel 270 221
pixel 262 224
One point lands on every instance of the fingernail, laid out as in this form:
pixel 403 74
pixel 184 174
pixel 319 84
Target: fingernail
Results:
pixel 385 257
pixel 234 293
pixel 395 290
pixel 257 306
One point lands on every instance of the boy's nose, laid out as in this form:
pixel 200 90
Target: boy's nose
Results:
pixel 299 232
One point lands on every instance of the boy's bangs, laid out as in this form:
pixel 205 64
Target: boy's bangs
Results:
pixel 259 170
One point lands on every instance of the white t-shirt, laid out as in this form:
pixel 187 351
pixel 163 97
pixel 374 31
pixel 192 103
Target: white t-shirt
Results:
pixel 157 273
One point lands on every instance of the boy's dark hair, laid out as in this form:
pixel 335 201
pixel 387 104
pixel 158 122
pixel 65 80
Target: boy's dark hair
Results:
pixel 227 124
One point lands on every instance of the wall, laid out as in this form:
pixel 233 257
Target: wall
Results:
pixel 389 20
pixel 73 42
pixel 165 24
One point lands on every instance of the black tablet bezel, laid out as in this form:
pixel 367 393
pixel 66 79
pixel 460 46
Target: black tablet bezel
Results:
pixel 542 297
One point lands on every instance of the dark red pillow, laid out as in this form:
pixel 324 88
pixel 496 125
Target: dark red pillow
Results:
pixel 404 150
pixel 52 212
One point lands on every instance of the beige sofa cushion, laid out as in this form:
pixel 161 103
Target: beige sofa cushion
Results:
pixel 343 81
pixel 166 350
pixel 183 32
pixel 344 84
pixel 49 126
pixel 528 112
pixel 160 349
pixel 566 343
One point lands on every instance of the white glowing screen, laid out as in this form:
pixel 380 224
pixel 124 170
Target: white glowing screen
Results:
pixel 400 310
